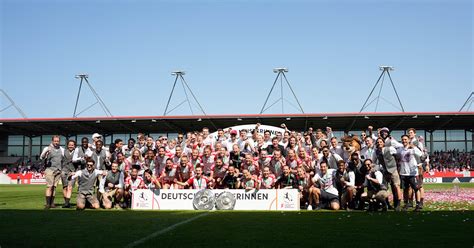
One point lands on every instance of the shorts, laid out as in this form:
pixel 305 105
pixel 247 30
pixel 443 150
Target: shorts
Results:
pixel 410 181
pixel 379 195
pixel 52 177
pixel 327 198
pixel 90 198
pixel 392 178
pixel 66 180
pixel 110 194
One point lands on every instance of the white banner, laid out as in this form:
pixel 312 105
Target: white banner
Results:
pixel 250 127
pixel 432 180
pixel 182 199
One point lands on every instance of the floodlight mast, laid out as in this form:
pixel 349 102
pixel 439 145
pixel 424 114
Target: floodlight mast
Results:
pixel 281 75
pixel 12 104
pixel 84 78
pixel 385 71
pixel 468 102
pixel 179 75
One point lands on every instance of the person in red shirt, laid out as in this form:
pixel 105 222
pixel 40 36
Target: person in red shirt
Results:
pixel 185 170
pixel 132 183
pixel 267 180
pixel 208 161
pixel 197 182
pixel 251 165
pixel 218 173
pixel 160 161
pixel 248 182
pixel 195 159
pixel 168 175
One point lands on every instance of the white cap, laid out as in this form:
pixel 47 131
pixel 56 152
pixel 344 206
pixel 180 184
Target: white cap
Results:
pixel 96 135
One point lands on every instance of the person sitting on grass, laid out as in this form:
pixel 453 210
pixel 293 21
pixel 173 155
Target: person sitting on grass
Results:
pixel 87 180
pixel 325 193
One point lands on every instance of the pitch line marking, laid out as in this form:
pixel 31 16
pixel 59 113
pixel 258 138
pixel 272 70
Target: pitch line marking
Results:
pixel 157 233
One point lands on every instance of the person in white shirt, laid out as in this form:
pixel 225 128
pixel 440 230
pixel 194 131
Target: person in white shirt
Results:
pixel 418 142
pixel 221 138
pixel 245 143
pixel 363 135
pixel 325 194
pixel 330 158
pixel 53 156
pixel 207 139
pixel 335 148
pixel 389 140
pixel 409 170
pixel 232 140
pixel 82 152
pixel 368 152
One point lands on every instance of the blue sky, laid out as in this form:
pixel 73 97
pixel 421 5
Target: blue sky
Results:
pixel 228 50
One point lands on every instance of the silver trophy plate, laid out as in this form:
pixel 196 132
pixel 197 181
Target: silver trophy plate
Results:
pixel 204 200
pixel 225 201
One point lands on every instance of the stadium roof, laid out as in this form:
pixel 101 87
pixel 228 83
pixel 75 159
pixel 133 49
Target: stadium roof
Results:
pixel 168 124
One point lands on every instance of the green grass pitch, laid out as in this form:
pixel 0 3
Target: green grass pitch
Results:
pixel 24 223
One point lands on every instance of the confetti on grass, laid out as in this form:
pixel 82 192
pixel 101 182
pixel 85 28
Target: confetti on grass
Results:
pixel 449 199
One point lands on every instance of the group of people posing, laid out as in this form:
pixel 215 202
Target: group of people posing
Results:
pixel 328 173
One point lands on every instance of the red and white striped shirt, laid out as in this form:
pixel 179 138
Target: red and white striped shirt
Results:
pixel 134 184
pixel 200 183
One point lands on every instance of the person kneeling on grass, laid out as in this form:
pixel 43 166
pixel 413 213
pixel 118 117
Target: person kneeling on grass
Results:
pixel 304 184
pixel 112 187
pixel 376 188
pixel 86 180
pixel 325 194
pixel 132 183
pixel 345 181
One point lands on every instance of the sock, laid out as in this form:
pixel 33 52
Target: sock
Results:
pixel 48 200
pixel 66 200
pixel 102 185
